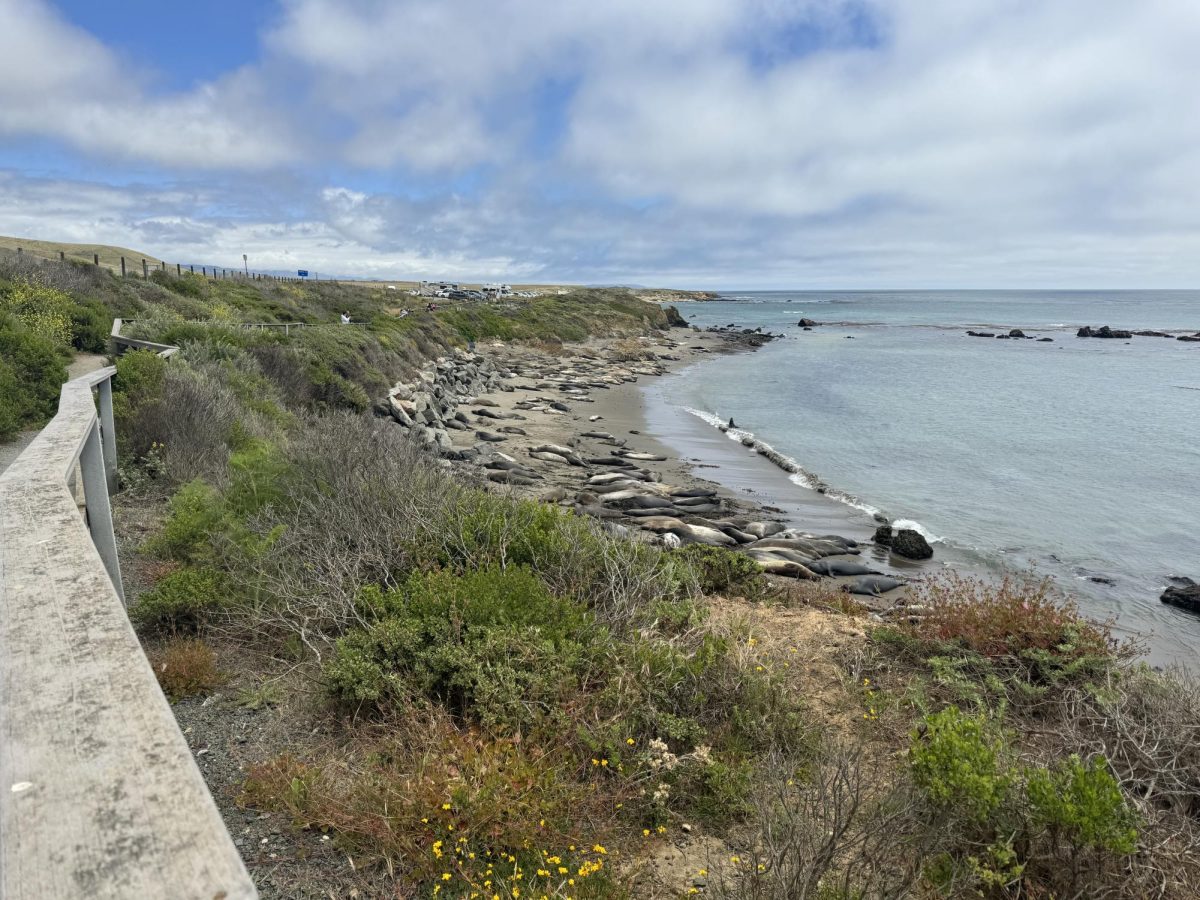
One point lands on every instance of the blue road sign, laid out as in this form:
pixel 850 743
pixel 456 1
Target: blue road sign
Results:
pixel 303 273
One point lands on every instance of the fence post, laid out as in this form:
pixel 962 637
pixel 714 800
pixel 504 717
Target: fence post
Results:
pixel 62 256
pixel 20 251
pixel 122 267
pixel 145 270
pixel 192 269
pixel 178 269
pixel 99 513
pixel 95 259
pixel 108 433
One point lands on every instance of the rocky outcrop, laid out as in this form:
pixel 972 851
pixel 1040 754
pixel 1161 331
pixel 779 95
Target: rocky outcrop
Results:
pixel 1102 332
pixel 674 318
pixel 905 542
pixel 1184 593
pixel 911 545
pixel 428 406
pixel 807 323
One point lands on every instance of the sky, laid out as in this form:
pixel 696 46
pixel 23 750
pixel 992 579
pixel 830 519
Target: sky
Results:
pixel 727 144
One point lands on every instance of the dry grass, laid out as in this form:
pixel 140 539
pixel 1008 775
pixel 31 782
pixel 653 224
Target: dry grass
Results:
pixel 186 667
pixel 110 256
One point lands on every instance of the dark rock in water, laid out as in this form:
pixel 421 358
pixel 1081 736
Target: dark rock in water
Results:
pixel 1189 337
pixel 1045 340
pixel 674 319
pixel 1152 334
pixel 882 519
pixel 911 545
pixel 981 333
pixel 1102 332
pixel 1017 333
pixel 883 536
pixel 1184 594
pixel 806 323
pixel 1004 337
pixel 1100 579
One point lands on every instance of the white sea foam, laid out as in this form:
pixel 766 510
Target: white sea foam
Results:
pixel 919 529
pixel 797 474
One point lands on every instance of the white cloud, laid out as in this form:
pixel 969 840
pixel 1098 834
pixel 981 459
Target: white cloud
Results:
pixel 853 142
pixel 57 81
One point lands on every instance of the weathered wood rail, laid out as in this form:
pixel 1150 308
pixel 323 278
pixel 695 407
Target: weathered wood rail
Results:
pixel 99 794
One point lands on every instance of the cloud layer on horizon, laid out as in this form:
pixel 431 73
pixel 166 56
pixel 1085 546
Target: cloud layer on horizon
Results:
pixel 738 143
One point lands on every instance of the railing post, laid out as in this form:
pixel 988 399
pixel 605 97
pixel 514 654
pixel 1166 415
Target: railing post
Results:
pixel 145 270
pixel 108 431
pixel 99 513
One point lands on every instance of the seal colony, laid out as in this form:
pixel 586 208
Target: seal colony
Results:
pixel 539 424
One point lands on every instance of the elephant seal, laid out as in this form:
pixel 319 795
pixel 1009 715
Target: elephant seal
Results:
pixel 597 512
pixel 698 534
pixel 489 437
pixel 839 568
pixel 774 565
pixel 873 585
pixel 763 529
pixel 694 492
pixel 549 457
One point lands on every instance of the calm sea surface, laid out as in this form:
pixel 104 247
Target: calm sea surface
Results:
pixel 1078 458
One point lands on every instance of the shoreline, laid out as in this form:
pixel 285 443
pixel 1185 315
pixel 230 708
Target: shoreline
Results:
pixel 513 436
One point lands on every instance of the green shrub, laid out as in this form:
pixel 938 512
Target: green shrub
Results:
pixel 32 372
pixel 139 377
pixel 1083 802
pixel 958 763
pixel 91 324
pixel 197 512
pixel 43 310
pixel 493 646
pixel 723 571
pixel 183 600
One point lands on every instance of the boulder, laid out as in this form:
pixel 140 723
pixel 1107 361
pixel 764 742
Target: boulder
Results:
pixel 1016 333
pixel 883 536
pixel 674 319
pixel 1184 593
pixel 911 545
pixel 806 323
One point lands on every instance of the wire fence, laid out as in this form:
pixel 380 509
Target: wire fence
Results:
pixel 130 267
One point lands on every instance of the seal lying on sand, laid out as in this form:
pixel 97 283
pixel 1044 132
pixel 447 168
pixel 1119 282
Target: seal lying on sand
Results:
pixel 873 585
pixel 839 567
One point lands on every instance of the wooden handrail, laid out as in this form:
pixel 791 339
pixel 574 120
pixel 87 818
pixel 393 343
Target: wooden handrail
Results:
pixel 100 796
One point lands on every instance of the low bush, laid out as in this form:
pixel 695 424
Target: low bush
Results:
pixel 186 667
pixel 493 646
pixel 1010 640
pixel 32 372
pixel 184 600
pixel 722 571
pixel 453 810
pixel 957 761
pixel 1060 830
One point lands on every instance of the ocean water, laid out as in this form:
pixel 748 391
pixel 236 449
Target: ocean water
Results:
pixel 1075 459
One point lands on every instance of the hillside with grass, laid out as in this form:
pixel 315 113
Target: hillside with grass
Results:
pixel 110 256
pixel 402 680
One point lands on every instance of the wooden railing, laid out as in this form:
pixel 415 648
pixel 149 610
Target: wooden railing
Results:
pixel 99 794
